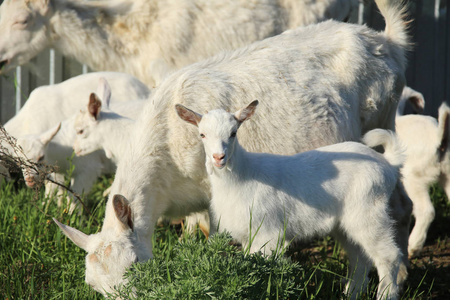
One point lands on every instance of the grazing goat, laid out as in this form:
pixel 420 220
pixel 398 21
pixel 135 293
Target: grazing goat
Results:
pixel 427 162
pixel 148 38
pixel 49 105
pixel 340 190
pixel 327 83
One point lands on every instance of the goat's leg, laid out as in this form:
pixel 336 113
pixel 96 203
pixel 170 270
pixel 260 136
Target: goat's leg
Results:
pixel 82 182
pixel 359 267
pixel 401 209
pixel 423 212
pixel 373 231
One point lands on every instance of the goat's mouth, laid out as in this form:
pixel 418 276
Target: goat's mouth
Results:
pixel 30 182
pixel 219 165
pixel 3 63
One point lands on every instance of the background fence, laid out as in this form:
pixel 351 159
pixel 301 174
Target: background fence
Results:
pixel 428 69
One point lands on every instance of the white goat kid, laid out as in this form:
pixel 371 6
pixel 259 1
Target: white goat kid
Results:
pixel 148 38
pixel 100 128
pixel 49 105
pixel 325 99
pixel 54 146
pixel 427 162
pixel 340 190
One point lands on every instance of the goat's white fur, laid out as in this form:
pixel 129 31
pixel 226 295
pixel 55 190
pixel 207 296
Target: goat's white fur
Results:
pixel 36 123
pixel 427 162
pixel 100 128
pixel 326 83
pixel 149 38
pixel 48 105
pixel 341 190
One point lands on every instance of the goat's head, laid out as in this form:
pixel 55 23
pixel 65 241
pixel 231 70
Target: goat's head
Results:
pixel 86 121
pixel 23 31
pixel 34 147
pixel 112 250
pixel 217 130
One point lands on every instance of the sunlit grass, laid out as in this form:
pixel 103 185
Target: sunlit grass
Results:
pixel 38 262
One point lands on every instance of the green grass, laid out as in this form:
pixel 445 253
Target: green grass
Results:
pixel 38 262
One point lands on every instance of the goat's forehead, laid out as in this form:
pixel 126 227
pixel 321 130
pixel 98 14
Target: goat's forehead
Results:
pixel 81 119
pixel 218 121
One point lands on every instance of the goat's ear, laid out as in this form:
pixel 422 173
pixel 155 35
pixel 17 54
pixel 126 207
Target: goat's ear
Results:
pixel 94 105
pixel 123 211
pixel 418 102
pixel 79 238
pixel 104 91
pixel 47 136
pixel 444 130
pixel 188 115
pixel 246 112
pixel 43 5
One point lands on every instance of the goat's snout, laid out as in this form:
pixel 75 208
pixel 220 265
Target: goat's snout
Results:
pixel 29 181
pixel 219 159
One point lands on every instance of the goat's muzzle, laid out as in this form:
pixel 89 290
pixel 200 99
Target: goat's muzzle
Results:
pixel 219 160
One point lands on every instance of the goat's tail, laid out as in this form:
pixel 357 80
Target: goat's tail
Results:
pixel 443 129
pixel 393 148
pixel 396 30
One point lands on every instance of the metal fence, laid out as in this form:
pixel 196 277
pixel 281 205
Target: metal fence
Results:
pixel 428 69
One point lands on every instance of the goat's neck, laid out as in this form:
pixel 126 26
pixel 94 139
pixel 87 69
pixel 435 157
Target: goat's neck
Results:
pixel 76 32
pixel 237 166
pixel 116 136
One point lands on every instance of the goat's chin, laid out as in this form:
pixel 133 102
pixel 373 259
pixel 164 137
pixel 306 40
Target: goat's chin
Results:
pixel 219 166
pixel 30 183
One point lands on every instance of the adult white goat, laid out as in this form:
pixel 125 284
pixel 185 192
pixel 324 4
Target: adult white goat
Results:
pixel 427 162
pixel 49 105
pixel 327 83
pixel 341 190
pixel 148 38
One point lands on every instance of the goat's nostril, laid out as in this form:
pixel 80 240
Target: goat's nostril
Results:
pixel 218 156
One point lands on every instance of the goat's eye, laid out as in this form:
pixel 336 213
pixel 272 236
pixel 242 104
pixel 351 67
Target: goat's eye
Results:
pixel 233 134
pixel 202 135
pixel 80 131
pixel 23 21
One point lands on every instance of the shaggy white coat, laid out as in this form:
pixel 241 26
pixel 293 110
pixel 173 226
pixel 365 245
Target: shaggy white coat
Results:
pixel 320 84
pixel 149 38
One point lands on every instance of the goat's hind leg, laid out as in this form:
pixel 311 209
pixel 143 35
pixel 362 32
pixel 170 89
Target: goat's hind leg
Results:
pixel 423 211
pixel 401 209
